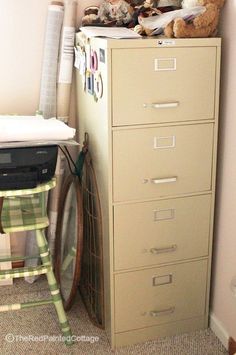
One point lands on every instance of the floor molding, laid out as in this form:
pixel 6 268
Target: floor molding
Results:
pixel 219 330
pixel 232 346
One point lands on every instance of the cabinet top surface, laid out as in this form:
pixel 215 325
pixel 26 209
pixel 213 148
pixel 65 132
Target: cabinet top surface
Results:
pixel 153 42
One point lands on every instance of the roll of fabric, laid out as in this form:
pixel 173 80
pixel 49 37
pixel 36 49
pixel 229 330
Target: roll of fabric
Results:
pixel 66 61
pixel 48 96
pixel 35 128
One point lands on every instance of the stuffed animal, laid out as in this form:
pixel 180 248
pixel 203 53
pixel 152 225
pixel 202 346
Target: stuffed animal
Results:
pixel 155 3
pixel 203 25
pixel 189 3
pixel 90 16
pixel 150 8
pixel 109 13
pixel 168 5
pixel 115 12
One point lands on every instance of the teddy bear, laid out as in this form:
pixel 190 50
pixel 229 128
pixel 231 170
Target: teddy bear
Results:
pixel 203 25
pixel 90 16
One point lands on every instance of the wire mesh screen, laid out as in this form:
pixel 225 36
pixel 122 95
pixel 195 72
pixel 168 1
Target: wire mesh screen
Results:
pixel 91 283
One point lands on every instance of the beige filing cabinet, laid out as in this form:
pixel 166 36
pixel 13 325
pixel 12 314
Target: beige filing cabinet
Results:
pixel 153 138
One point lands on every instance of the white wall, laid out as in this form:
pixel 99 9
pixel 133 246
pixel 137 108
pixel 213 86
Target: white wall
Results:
pixel 22 29
pixel 22 25
pixel 223 301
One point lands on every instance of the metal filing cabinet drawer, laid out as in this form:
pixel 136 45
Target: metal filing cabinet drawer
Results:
pixel 163 85
pixel 149 233
pixel 160 295
pixel 163 161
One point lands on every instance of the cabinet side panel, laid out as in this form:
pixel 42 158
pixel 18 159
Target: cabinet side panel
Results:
pixel 214 170
pixel 93 118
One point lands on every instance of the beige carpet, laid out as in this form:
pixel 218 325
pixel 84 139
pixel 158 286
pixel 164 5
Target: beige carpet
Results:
pixel 42 321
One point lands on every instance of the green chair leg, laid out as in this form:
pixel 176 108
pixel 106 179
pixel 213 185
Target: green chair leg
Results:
pixel 55 292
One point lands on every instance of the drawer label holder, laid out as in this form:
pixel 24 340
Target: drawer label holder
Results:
pixel 164 64
pixel 162 280
pixel 164 142
pixel 163 215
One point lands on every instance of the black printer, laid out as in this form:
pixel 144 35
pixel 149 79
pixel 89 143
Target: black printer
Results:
pixel 26 167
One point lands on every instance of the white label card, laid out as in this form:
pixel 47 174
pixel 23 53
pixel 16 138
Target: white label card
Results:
pixel 165 42
pixel 67 55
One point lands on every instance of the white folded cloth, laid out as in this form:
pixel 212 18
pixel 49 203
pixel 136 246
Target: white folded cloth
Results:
pixel 33 128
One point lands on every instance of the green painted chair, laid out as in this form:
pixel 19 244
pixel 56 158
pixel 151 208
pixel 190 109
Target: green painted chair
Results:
pixel 25 210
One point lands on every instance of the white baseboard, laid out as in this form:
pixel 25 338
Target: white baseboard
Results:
pixel 219 330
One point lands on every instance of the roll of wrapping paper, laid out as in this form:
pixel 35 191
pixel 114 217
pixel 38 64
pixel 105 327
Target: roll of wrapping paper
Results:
pixel 48 95
pixel 66 61
pixel 63 106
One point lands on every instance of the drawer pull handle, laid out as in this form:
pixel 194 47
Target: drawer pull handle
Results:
pixel 163 250
pixel 163 312
pixel 162 105
pixel 164 180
